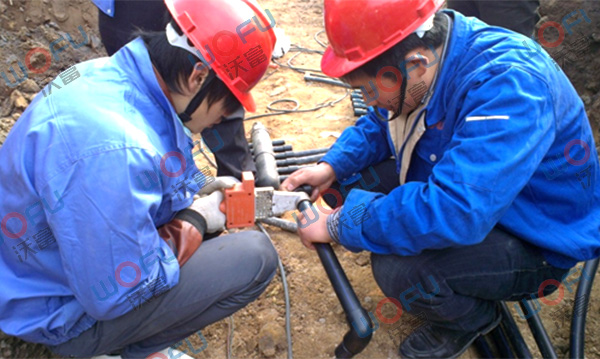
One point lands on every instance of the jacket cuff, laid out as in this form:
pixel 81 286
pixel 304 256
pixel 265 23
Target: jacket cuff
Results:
pixel 194 218
pixel 333 222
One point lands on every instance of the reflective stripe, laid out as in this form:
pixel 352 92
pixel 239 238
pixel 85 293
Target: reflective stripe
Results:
pixel 481 118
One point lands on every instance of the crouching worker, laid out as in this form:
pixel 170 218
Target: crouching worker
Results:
pixel 102 241
pixel 493 191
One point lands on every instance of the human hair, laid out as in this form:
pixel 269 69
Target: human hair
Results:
pixel 175 65
pixel 396 55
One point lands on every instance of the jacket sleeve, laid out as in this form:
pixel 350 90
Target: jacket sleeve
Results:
pixel 359 146
pixel 505 126
pixel 110 248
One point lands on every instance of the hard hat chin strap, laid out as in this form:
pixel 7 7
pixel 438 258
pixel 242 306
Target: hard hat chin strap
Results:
pixel 402 96
pixel 186 115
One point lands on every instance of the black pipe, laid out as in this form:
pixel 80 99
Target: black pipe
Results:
pixel 502 343
pixel 274 143
pixel 538 331
pixel 360 112
pixel 513 333
pixel 582 298
pixel 484 348
pixel 282 155
pixel 359 335
pixel 282 148
pixel 298 160
pixel 288 170
pixel 264 158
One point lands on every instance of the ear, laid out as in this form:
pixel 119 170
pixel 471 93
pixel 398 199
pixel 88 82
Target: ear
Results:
pixel 416 63
pixel 196 78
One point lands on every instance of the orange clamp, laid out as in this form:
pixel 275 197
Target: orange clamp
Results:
pixel 239 203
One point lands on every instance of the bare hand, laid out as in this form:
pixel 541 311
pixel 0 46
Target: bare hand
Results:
pixel 320 176
pixel 313 231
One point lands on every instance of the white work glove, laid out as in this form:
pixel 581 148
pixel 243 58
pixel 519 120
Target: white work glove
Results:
pixel 218 183
pixel 208 200
pixel 282 44
pixel 208 207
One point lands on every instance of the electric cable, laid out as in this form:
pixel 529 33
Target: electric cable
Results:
pixel 316 37
pixel 201 145
pixel 288 329
pixel 299 50
pixel 295 109
pixel 230 337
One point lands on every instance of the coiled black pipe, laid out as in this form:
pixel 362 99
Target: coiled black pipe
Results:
pixel 359 335
pixel 582 298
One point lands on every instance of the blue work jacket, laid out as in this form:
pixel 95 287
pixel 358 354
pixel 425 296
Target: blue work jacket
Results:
pixel 507 143
pixel 95 164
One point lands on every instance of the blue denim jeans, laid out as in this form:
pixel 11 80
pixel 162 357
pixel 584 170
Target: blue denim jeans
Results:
pixel 456 288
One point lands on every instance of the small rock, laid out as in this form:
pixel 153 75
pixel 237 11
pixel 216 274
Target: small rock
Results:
pixel 60 11
pixel 16 115
pixel 362 259
pixel 95 42
pixel 278 91
pixel 2 7
pixel 270 336
pixel 29 86
pixel 18 100
pixel 280 81
pixel 53 25
pixel 586 100
pixel 39 61
pixel 322 320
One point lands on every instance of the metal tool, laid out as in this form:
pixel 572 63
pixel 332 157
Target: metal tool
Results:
pixel 245 203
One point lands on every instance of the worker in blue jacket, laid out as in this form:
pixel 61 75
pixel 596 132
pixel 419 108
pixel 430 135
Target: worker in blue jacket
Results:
pixel 102 239
pixel 493 190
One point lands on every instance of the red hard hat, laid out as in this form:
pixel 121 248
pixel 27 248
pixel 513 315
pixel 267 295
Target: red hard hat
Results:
pixel 361 30
pixel 234 37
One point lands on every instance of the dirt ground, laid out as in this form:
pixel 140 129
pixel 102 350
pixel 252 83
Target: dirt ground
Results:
pixel 317 320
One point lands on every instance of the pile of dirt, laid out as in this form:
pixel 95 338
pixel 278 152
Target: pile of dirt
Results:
pixel 317 320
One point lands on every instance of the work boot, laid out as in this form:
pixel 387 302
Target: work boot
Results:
pixel 435 342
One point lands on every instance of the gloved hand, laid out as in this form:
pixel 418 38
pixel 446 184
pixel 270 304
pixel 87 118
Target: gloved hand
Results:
pixel 209 208
pixel 218 183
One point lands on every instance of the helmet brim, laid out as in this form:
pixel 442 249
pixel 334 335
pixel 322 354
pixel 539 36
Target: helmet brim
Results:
pixel 336 66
